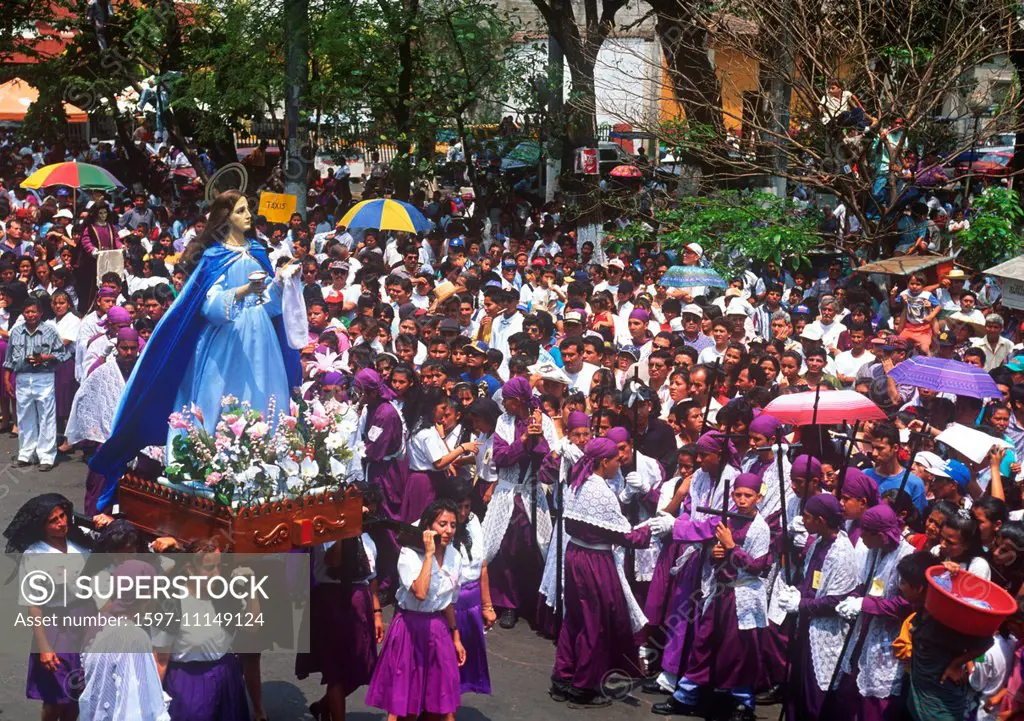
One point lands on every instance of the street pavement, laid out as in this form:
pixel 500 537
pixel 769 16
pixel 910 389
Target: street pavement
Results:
pixel 520 661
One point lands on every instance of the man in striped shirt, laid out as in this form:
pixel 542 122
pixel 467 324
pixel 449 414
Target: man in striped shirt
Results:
pixel 34 350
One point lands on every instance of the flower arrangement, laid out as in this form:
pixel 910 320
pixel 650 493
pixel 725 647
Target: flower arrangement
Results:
pixel 246 460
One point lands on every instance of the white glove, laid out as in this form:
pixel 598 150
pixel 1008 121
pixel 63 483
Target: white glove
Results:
pixel 636 483
pixel 849 608
pixel 662 523
pixel 798 532
pixel 789 599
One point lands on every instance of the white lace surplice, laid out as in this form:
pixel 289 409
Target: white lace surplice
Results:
pixel 595 504
pixel 570 455
pixel 751 596
pixel 826 633
pixel 121 678
pixel 880 673
pixel 95 404
pixel 499 510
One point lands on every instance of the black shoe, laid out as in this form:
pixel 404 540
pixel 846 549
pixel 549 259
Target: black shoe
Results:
pixel 508 618
pixel 672 707
pixel 45 467
pixel 652 687
pixel 772 697
pixel 22 464
pixel 587 700
pixel 742 713
pixel 558 692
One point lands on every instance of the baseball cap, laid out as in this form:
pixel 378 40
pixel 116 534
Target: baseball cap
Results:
pixel 339 265
pixel 957 472
pixel 334 297
pixel 575 316
pixel 1016 364
pixel 801 310
pixel 539 261
pixel 895 343
pixel 693 309
pixel 550 372
pixel 448 325
pixel 477 346
pixel 810 332
pixel 508 263
pixel 737 309
pixel 946 339
pixel 695 247
pixel 616 263
pixel 733 292
pixel 64 213
pixel 456 242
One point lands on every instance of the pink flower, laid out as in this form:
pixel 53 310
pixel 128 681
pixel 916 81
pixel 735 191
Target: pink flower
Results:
pixel 289 422
pixel 258 429
pixel 177 421
pixel 293 408
pixel 213 479
pixel 197 412
pixel 318 420
pixel 237 426
pixel 221 443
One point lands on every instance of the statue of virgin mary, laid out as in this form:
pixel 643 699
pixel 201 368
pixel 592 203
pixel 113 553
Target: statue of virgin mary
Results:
pixel 224 335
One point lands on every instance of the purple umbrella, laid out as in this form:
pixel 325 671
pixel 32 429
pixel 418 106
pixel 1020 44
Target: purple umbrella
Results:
pixel 946 376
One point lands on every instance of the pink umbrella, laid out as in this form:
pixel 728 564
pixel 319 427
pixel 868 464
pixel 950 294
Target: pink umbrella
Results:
pixel 833 407
pixel 626 171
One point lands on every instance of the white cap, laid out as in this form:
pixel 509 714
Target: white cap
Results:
pixel 616 262
pixel 695 247
pixel 932 463
pixel 550 372
pixel 811 332
pixel 735 309
pixel 63 213
pixel 693 309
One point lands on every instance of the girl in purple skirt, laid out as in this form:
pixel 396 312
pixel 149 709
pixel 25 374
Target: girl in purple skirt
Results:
pixel 43 526
pixel 473 611
pixel 203 679
pixel 345 622
pixel 418 670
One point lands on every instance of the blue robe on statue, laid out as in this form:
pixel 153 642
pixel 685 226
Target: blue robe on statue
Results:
pixel 208 345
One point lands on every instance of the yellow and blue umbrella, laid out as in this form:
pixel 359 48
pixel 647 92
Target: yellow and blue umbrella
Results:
pixel 385 214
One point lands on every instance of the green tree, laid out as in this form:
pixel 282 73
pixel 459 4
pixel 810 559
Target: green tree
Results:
pixel 994 235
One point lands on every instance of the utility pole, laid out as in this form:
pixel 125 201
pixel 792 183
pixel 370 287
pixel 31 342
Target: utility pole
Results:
pixel 556 93
pixel 296 57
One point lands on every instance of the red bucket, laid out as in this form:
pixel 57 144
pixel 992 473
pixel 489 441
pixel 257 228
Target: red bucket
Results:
pixel 955 609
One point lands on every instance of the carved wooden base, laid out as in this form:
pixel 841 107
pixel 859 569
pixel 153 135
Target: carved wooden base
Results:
pixel 267 528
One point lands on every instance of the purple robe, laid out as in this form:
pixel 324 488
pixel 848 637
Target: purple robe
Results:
pixel 516 571
pixel 390 476
pixel 722 654
pixel 805 697
pixel 597 633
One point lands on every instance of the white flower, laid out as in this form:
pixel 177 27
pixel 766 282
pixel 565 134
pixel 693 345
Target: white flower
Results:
pixel 338 469
pixel 288 466
pixel 309 468
pixel 272 471
pixel 334 441
pixel 294 484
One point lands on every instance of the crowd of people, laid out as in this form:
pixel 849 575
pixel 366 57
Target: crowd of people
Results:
pixel 584 450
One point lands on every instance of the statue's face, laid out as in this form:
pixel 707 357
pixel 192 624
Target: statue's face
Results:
pixel 241 218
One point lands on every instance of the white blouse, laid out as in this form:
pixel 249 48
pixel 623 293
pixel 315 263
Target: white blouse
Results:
pixel 70 564
pixel 444 581
pixel 425 448
pixel 472 567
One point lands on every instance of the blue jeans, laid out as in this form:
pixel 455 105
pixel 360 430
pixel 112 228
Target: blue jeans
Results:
pixel 688 692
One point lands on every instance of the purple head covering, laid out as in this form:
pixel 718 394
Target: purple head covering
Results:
pixel 128 333
pixel 369 380
pixel 578 419
pixel 332 378
pixel 827 506
pixel 711 442
pixel 882 519
pixel 517 388
pixel 640 314
pixel 618 434
pixel 116 314
pixel 594 451
pixel 748 480
pixel 805 466
pixel 106 293
pixel 765 424
pixel 857 485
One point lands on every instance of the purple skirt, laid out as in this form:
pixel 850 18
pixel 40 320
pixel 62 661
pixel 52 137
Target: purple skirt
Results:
pixel 597 634
pixel 63 685
pixel 660 589
pixel 774 642
pixel 342 645
pixel 65 387
pixel 473 675
pixel 418 671
pixel 421 489
pixel 847 704
pixel 207 690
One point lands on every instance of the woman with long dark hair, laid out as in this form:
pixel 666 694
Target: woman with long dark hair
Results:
pixel 44 526
pixel 418 670
pixel 98 233
pixel 224 335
